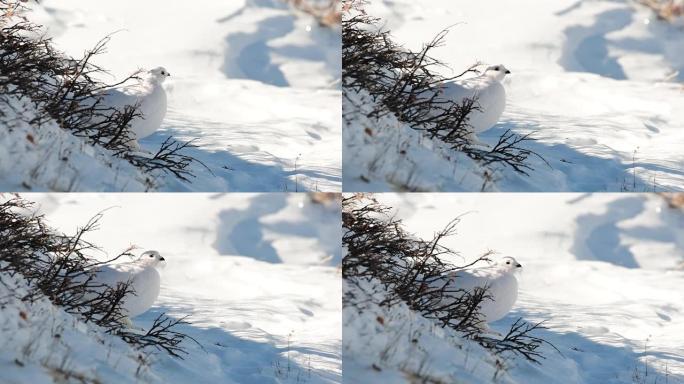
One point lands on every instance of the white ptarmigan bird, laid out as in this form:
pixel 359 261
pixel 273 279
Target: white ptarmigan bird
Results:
pixel 150 96
pixel 502 285
pixel 490 96
pixel 144 279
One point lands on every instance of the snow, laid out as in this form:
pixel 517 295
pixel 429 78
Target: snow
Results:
pixel 603 271
pixel 254 83
pixel 257 274
pixel 48 158
pixel 388 155
pixel 597 83
pixel 41 343
pixel 394 344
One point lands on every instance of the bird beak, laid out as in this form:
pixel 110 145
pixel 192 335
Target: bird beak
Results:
pixel 168 74
pixel 508 72
pixel 162 258
pixel 518 265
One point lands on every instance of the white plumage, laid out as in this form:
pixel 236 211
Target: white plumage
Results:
pixel 150 96
pixel 143 277
pixel 502 285
pixel 489 93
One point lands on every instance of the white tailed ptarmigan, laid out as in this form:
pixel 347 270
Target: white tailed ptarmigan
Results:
pixel 143 277
pixel 502 285
pixel 150 96
pixel 490 96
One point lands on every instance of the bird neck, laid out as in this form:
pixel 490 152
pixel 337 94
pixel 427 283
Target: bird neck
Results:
pixel 500 269
pixel 492 77
pixel 155 81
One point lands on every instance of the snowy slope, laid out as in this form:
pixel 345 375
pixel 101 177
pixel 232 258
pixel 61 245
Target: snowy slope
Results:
pixel 597 83
pixel 256 274
pixel 49 158
pixel 253 83
pixel 396 345
pixel 603 270
pixel 387 152
pixel 34 347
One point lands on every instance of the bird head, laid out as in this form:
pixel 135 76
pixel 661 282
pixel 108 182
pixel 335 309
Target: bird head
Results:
pixel 497 72
pixel 508 264
pixel 159 74
pixel 152 258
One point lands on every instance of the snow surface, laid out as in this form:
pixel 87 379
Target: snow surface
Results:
pixel 388 155
pixel 48 158
pixel 254 83
pixel 40 343
pixel 597 83
pixel 603 270
pixel 258 275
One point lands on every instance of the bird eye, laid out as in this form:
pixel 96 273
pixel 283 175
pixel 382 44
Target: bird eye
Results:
pixel 151 255
pixel 508 262
pixel 496 68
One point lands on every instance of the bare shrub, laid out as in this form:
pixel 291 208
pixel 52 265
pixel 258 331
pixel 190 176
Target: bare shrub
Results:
pixel 411 271
pixel 161 336
pixel 57 266
pixel 406 84
pixel 65 90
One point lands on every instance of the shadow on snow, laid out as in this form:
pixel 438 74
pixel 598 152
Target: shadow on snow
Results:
pixel 225 355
